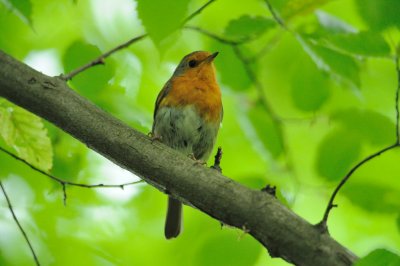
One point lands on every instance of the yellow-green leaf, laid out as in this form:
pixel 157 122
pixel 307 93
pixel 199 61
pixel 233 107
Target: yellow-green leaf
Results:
pixel 26 133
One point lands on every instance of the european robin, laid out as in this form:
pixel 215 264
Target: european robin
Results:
pixel 187 115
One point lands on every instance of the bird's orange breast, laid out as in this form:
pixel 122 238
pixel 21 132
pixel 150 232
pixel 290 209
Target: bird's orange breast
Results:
pixel 203 93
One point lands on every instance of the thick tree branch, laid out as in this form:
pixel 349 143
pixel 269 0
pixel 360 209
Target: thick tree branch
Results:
pixel 281 231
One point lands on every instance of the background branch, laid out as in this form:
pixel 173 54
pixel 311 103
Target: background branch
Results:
pixel 397 64
pixel 64 183
pixel 281 231
pixel 323 224
pixel 275 15
pixel 100 60
pixel 197 12
pixel 19 225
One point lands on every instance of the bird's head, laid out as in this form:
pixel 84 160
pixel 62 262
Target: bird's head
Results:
pixel 197 64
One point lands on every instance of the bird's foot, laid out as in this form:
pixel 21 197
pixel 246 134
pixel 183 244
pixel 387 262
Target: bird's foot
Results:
pixel 196 161
pixel 154 137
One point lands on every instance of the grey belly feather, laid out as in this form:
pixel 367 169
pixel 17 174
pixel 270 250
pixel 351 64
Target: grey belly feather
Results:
pixel 184 130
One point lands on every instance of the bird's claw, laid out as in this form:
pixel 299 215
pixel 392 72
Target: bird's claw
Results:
pixel 196 161
pixel 154 137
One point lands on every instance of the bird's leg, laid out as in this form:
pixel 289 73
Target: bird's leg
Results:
pixel 154 137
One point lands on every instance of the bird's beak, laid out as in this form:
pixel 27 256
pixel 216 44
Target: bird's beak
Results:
pixel 210 58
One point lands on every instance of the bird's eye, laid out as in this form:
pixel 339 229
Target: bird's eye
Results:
pixel 192 63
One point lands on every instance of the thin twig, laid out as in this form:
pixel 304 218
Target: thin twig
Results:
pixel 63 183
pixel 397 100
pixel 100 60
pixel 276 16
pixel 198 11
pixel 273 42
pixel 214 36
pixel 19 225
pixel 322 224
pixel 260 89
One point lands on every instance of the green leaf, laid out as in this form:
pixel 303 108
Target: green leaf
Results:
pixel 91 81
pixel 309 86
pixel 340 66
pixel 365 196
pixel 266 130
pixel 25 132
pixel 361 43
pixel 374 127
pixel 230 68
pixel 379 15
pixel 336 34
pixel 379 257
pixel 247 27
pixel 398 222
pixel 161 18
pixel 295 8
pixel 23 8
pixel 332 24
pixel 241 252
pixel 337 153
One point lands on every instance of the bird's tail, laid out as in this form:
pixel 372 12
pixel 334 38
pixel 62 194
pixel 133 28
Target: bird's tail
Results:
pixel 174 217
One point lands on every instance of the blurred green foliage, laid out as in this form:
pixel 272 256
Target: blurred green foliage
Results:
pixel 302 106
pixel 380 257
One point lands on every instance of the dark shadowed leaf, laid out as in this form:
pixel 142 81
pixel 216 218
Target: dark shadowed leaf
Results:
pixel 379 257
pixel 373 198
pixel 337 153
pixel 381 14
pixel 374 127
pixel 91 81
pixel 247 27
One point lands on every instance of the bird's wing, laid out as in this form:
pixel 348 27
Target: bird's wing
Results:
pixel 163 93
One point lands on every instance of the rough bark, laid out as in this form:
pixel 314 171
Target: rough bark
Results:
pixel 281 231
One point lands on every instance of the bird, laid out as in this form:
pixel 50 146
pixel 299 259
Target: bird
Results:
pixel 187 116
